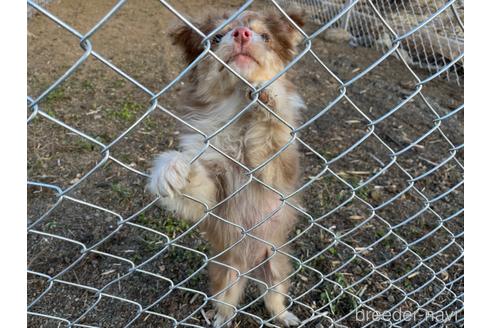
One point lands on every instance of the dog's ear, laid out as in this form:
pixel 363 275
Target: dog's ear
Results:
pixel 297 15
pixel 286 35
pixel 283 28
pixel 189 40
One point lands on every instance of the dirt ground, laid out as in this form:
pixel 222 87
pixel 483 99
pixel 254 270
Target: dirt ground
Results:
pixel 414 243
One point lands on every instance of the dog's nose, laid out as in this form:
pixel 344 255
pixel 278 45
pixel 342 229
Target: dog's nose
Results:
pixel 242 35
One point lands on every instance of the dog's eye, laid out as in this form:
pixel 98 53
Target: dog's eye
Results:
pixel 217 38
pixel 265 37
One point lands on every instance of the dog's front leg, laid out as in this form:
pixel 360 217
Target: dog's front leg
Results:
pixel 173 177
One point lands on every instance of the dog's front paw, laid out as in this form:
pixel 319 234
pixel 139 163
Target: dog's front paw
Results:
pixel 288 319
pixel 169 174
pixel 220 321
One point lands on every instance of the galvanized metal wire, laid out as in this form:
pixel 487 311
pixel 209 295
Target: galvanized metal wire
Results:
pixel 444 297
pixel 431 47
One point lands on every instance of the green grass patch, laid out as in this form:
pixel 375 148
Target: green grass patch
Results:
pixel 83 145
pixel 127 112
pixel 55 95
pixel 339 301
pixel 88 85
pixel 167 224
pixel 122 191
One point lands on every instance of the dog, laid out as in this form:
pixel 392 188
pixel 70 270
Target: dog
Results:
pixel 233 183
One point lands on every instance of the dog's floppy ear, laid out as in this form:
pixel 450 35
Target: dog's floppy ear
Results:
pixel 189 40
pixel 297 15
pixel 283 28
pixel 287 36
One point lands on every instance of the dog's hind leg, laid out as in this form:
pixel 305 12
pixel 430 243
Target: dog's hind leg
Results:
pixel 274 273
pixel 228 288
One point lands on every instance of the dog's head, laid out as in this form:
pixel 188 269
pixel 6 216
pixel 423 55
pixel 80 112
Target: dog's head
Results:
pixel 256 45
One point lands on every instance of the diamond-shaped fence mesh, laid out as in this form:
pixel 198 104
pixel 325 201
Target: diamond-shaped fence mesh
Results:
pixel 379 241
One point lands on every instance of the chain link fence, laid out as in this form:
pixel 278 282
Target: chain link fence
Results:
pixel 438 44
pixel 380 240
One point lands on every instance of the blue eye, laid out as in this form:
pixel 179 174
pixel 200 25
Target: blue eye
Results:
pixel 217 38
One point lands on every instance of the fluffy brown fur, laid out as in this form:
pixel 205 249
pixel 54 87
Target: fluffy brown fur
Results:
pixel 267 43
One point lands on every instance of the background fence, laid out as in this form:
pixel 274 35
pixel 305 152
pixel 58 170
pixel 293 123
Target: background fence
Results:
pixel 438 44
pixel 382 143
